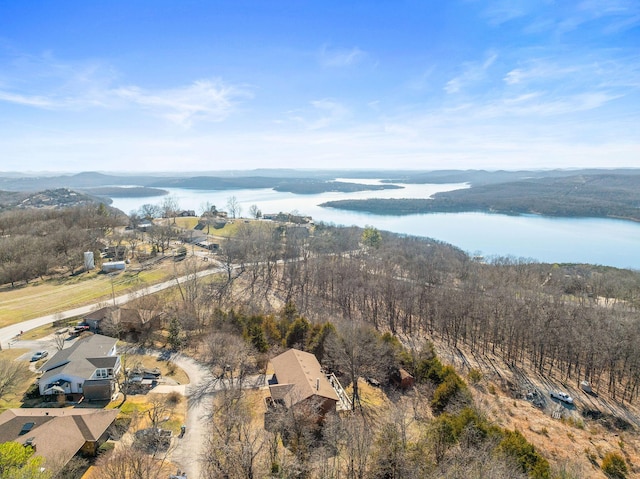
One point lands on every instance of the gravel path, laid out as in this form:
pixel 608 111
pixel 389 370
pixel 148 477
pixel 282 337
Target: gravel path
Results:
pixel 191 446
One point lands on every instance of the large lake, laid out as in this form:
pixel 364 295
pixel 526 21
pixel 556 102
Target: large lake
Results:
pixel 550 240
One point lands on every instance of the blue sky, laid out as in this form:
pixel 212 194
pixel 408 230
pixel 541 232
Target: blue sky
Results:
pixel 217 85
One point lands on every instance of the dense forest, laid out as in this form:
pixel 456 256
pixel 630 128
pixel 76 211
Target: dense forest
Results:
pixel 578 321
pixel 596 196
pixel 439 433
pixel 365 302
pixel 298 182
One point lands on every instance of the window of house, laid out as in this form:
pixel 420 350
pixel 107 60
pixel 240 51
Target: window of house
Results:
pixel 101 373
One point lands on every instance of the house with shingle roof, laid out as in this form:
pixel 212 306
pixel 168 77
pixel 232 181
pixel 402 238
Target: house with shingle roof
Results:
pixel 298 379
pixel 127 321
pixel 87 368
pixel 57 434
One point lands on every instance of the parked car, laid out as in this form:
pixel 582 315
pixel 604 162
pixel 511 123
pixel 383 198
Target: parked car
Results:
pixel 38 355
pixel 564 397
pixel 80 328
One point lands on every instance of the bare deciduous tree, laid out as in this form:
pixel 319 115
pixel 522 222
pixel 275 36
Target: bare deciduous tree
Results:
pixel 12 373
pixel 255 212
pixel 170 207
pixel 234 444
pixel 130 463
pixel 357 352
pixel 235 210
pixel 230 359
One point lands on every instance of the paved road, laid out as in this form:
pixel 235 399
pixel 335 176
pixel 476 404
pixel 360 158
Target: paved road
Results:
pixel 9 333
pixel 199 391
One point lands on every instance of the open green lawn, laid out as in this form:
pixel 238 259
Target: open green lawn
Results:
pixel 187 223
pixel 59 294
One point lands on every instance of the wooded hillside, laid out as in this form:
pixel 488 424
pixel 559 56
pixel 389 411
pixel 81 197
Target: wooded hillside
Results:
pixel 596 196
pixel 37 242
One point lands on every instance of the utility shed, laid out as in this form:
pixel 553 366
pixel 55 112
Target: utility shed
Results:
pixel 402 379
pixel 299 379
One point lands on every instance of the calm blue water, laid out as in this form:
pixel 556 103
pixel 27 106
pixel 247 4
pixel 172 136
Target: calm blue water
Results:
pixel 551 240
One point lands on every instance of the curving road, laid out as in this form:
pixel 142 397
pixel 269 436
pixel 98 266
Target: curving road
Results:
pixel 199 392
pixel 8 333
pixel 189 448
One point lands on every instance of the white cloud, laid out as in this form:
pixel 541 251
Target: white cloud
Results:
pixel 202 100
pixel 338 57
pixel 542 104
pixel 501 11
pixel 206 100
pixel 593 9
pixel 35 101
pixel 613 15
pixel 325 113
pixel 47 83
pixel 600 70
pixel 473 73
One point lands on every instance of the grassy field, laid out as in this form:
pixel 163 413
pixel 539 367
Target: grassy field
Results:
pixel 187 223
pixel 42 297
pixel 50 296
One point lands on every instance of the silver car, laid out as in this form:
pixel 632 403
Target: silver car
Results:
pixel 38 355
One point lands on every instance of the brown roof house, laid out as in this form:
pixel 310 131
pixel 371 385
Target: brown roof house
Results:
pixel 299 380
pixel 57 434
pixel 87 368
pixel 123 321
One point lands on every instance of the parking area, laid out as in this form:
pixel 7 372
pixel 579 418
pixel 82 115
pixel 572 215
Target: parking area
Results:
pixel 47 346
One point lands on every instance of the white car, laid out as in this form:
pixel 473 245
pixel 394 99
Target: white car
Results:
pixel 564 397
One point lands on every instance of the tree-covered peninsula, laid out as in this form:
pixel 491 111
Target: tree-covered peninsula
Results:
pixel 595 196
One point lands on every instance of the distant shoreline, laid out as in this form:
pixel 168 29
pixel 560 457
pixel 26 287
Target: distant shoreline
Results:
pixel 581 196
pixel 125 192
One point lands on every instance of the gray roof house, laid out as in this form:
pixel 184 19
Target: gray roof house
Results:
pixel 88 367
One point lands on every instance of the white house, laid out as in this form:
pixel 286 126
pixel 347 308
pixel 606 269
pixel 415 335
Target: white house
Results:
pixel 89 367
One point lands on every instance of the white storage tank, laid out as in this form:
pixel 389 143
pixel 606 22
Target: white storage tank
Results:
pixel 112 266
pixel 89 263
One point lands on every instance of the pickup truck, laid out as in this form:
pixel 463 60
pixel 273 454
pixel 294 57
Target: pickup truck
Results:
pixel 564 397
pixel 80 328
